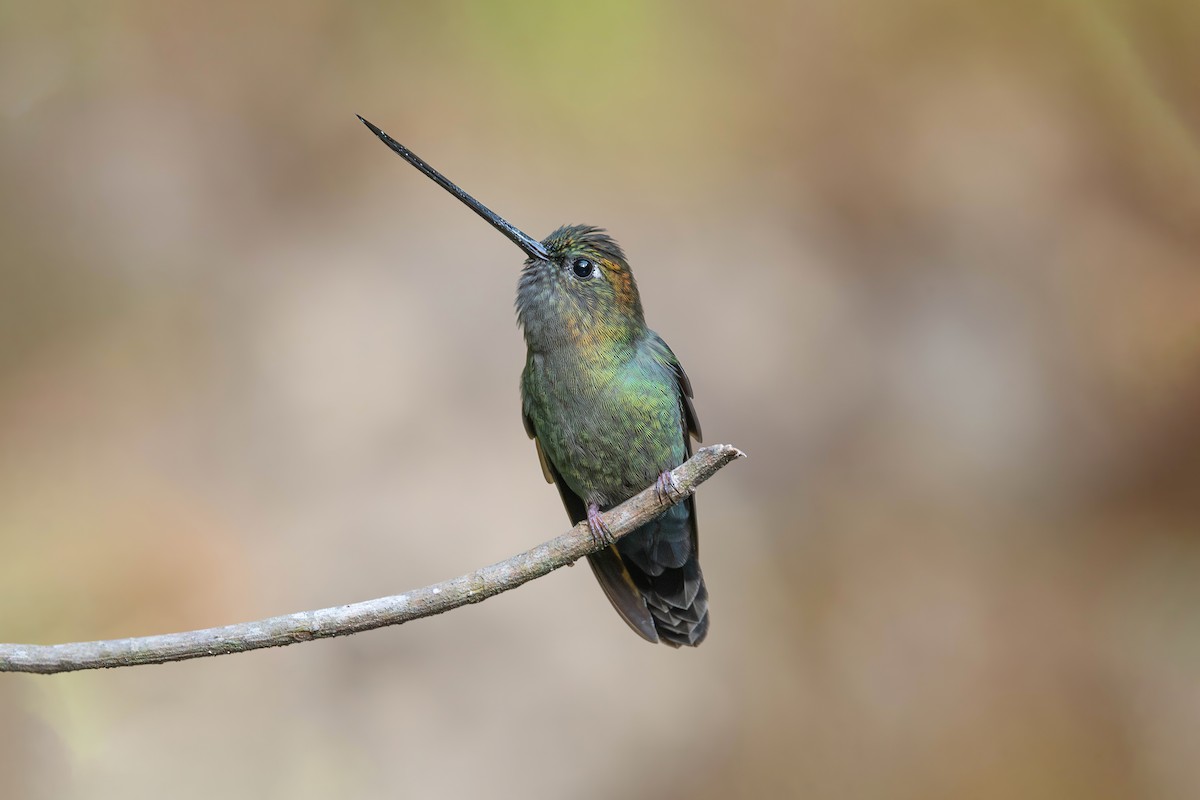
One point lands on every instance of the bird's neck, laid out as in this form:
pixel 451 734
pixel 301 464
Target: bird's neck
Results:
pixel 602 336
pixel 588 363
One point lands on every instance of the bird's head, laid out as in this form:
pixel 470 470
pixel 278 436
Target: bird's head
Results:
pixel 583 293
pixel 576 287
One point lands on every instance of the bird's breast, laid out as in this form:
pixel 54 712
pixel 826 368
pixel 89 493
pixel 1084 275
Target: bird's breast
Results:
pixel 609 426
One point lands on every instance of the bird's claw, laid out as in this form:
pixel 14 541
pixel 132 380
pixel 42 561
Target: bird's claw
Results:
pixel 667 488
pixel 601 535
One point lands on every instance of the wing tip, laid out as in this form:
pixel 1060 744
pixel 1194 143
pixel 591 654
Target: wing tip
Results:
pixel 614 578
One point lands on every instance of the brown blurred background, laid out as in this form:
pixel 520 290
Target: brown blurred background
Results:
pixel 935 266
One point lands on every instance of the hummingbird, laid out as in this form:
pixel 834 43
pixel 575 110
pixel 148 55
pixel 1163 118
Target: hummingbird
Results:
pixel 609 409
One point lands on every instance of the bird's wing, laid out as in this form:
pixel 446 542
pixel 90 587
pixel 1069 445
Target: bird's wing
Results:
pixel 547 471
pixel 691 429
pixel 691 423
pixel 609 569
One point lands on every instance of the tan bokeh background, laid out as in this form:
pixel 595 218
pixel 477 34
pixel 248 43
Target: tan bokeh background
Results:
pixel 935 266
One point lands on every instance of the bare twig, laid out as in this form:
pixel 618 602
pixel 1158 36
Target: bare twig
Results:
pixel 343 620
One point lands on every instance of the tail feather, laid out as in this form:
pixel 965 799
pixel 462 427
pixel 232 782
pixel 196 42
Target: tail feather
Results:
pixel 663 544
pixel 664 563
pixel 678 588
pixel 679 624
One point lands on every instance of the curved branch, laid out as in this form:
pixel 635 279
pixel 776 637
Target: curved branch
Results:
pixel 304 626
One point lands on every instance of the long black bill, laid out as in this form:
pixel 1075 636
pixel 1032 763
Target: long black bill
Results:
pixel 531 246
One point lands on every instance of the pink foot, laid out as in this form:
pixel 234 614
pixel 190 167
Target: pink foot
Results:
pixel 600 532
pixel 667 489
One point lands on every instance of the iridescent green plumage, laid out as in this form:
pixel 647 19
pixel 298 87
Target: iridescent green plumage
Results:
pixel 609 408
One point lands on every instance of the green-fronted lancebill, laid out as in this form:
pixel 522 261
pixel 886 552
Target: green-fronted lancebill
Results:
pixel 609 409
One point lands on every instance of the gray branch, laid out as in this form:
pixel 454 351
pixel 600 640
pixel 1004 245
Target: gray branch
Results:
pixel 344 620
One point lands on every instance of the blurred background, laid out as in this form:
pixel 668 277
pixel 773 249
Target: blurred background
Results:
pixel 933 265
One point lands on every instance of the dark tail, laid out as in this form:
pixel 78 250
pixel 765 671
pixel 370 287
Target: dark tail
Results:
pixel 653 579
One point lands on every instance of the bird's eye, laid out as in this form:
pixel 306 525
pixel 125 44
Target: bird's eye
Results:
pixel 582 268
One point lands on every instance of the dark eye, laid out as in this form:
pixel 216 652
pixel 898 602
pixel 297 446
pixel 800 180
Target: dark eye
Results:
pixel 582 267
